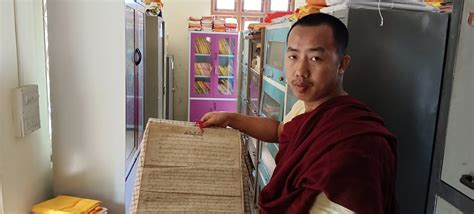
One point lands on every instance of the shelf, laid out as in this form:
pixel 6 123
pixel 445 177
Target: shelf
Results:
pixel 255 70
pixel 220 55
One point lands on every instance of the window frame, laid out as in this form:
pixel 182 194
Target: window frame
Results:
pixel 240 14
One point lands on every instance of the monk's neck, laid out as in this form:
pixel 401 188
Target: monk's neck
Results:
pixel 310 106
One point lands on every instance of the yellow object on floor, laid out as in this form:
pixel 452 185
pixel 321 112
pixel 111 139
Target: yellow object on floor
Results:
pixel 63 204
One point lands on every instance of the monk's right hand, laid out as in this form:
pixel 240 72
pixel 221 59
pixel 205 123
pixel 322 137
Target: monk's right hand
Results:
pixel 221 119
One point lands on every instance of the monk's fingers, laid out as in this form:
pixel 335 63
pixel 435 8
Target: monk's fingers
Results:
pixel 207 120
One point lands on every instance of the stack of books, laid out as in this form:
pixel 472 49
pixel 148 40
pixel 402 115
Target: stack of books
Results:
pixel 231 25
pixel 194 24
pixel 219 25
pixel 206 23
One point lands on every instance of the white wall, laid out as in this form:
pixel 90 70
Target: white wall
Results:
pixel 176 14
pixel 25 170
pixel 87 71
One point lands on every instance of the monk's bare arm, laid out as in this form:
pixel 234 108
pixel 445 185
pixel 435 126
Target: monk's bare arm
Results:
pixel 261 128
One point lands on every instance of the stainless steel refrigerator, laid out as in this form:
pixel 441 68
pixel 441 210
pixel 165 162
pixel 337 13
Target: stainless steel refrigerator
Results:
pixel 154 77
pixel 397 69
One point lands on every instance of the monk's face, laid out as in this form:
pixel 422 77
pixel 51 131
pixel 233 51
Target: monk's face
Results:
pixel 313 66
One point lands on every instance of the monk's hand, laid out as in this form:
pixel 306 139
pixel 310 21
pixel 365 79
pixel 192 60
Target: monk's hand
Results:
pixel 221 119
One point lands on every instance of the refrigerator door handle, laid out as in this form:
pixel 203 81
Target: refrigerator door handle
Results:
pixel 467 181
pixel 137 61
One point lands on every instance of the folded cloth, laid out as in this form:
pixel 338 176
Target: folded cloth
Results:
pixel 206 26
pixel 257 26
pixel 207 21
pixel 273 15
pixel 194 19
pixel 305 10
pixel 231 21
pixel 317 2
pixel 194 22
pixel 63 204
pixel 219 20
pixel 207 18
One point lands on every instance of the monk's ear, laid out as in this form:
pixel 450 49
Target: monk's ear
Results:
pixel 344 64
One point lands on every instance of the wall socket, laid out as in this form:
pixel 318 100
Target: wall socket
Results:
pixel 26 117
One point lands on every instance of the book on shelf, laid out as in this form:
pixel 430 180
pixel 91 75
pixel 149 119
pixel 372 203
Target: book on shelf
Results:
pixel 202 46
pixel 225 87
pixel 226 70
pixel 201 87
pixel 225 47
pixel 202 68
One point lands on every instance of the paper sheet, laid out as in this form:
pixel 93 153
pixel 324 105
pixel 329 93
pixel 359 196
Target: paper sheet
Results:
pixel 182 170
pixel 1 196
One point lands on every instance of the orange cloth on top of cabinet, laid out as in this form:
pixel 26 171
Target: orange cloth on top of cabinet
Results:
pixel 273 15
pixel 316 2
pixel 305 10
pixel 257 26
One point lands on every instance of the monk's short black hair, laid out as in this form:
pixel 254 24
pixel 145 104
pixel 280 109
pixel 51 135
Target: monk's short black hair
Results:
pixel 340 32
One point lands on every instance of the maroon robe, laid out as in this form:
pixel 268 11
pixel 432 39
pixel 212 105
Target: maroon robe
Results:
pixel 342 149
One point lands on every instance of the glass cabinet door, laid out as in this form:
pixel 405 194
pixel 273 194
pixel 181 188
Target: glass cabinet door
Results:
pixel 130 80
pixel 140 87
pixel 255 82
pixel 226 64
pixel 271 107
pixel 255 56
pixel 273 100
pixel 134 80
pixel 201 62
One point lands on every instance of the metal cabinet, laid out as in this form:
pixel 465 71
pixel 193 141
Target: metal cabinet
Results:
pixel 451 186
pixel 212 71
pixel 134 81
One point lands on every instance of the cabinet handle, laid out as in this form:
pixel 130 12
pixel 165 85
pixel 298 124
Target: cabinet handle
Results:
pixel 214 106
pixel 137 61
pixel 467 181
